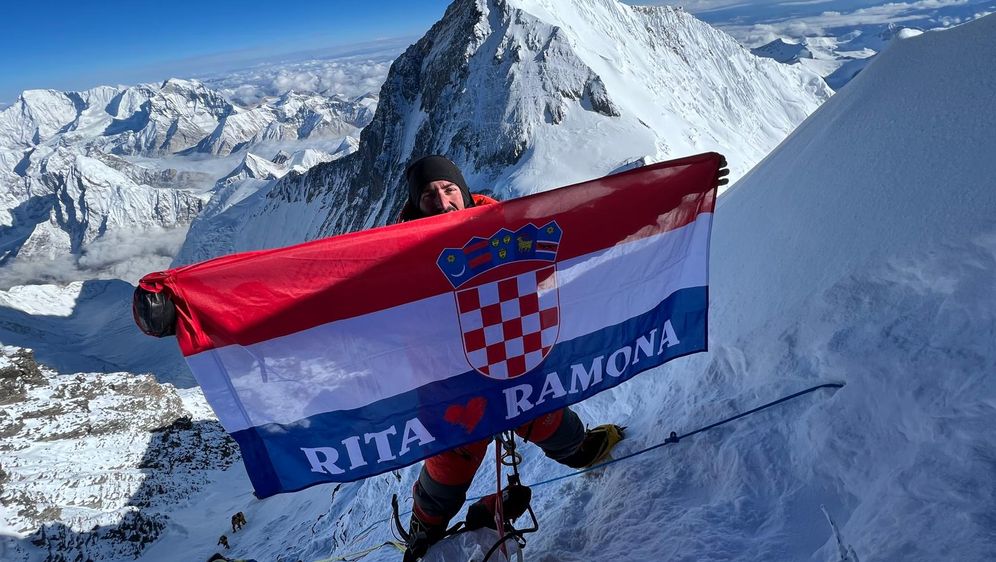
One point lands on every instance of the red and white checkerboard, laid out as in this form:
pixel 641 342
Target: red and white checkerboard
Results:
pixel 510 325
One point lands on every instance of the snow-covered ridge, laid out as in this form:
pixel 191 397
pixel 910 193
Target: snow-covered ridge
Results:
pixel 70 175
pixel 156 119
pixel 292 116
pixel 65 200
pixel 141 119
pixel 243 188
pixel 530 95
pixel 872 264
pixel 837 59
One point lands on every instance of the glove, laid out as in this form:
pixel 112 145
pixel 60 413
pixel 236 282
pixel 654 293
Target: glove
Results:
pixel 724 171
pixel 515 502
pixel 154 313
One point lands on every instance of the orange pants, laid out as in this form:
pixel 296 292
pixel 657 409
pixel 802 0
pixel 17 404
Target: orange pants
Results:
pixel 442 485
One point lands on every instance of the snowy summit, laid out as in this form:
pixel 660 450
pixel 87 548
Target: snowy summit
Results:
pixel 528 95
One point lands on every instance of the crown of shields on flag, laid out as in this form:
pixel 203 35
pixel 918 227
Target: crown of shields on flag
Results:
pixel 506 297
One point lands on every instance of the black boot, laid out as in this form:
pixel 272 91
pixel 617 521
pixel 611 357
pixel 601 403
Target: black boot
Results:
pixel 420 538
pixel 515 501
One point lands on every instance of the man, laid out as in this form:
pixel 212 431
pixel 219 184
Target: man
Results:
pixel 238 521
pixel 436 186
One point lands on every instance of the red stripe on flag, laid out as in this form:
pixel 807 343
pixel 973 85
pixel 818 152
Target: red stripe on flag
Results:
pixel 479 260
pixel 256 296
pixel 475 247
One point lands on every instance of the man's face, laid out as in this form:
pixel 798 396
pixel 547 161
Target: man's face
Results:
pixel 440 196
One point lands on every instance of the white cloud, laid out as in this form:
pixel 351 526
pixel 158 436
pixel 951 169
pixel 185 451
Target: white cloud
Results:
pixel 922 13
pixel 349 76
pixel 126 255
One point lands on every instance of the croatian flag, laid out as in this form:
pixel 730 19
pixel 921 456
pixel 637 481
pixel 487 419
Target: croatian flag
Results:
pixel 346 357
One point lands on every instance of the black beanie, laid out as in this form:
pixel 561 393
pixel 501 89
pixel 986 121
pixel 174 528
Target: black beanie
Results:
pixel 433 168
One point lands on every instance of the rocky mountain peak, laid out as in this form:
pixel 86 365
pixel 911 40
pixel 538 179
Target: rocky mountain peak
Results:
pixel 526 95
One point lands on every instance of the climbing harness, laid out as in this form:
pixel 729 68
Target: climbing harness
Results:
pixel 505 456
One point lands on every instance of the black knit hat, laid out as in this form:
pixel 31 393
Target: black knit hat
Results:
pixel 433 168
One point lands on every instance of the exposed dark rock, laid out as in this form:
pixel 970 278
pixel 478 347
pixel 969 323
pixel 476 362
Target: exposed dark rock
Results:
pixel 17 378
pixel 598 99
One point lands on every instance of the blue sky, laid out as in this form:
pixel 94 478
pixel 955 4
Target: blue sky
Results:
pixel 76 45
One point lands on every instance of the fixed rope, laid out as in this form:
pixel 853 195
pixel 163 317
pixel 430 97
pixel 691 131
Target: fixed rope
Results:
pixel 671 440
pixel 675 438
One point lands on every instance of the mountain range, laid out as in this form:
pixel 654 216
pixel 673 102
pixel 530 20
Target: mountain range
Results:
pixel 78 167
pixel 837 59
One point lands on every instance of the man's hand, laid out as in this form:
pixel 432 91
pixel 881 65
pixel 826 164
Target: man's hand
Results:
pixel 724 171
pixel 154 313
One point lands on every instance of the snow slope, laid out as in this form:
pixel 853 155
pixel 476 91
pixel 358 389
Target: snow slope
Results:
pixel 87 326
pixel 94 463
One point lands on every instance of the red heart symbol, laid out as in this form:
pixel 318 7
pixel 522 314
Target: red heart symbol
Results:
pixel 467 416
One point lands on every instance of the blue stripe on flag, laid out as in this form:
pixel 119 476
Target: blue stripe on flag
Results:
pixel 349 445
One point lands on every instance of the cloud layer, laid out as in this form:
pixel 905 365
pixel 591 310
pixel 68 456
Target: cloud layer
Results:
pixel 757 23
pixel 349 76
pixel 118 255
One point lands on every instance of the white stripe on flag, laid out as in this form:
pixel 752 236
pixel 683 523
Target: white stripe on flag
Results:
pixel 354 362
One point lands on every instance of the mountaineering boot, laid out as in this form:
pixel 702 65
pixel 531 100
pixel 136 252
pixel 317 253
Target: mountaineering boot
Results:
pixel 598 443
pixel 420 538
pixel 515 501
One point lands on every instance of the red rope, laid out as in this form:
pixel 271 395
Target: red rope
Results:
pixel 499 506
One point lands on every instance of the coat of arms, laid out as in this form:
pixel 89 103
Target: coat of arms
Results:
pixel 506 296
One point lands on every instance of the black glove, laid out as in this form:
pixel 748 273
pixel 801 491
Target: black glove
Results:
pixel 154 313
pixel 721 178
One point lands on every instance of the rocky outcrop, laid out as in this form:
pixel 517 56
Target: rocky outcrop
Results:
pixel 93 463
